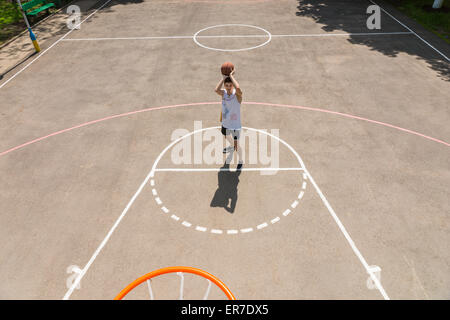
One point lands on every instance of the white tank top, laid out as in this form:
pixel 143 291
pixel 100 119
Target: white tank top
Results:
pixel 231 111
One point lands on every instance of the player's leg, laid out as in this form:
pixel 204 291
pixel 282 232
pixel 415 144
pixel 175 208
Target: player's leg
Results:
pixel 227 135
pixel 236 137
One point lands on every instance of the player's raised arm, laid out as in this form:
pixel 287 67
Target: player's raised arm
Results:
pixel 218 89
pixel 236 86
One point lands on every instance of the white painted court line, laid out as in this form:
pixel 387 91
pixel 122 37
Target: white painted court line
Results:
pixel 262 225
pixel 408 28
pixel 165 210
pixel 341 34
pixel 233 231
pixel 54 44
pixel 129 38
pixel 63 38
pixel 349 239
pixel 270 36
pixel 224 169
pixel 336 219
pixel 196 37
pixel 186 224
pixel 105 240
pixel 245 230
pixel 275 220
pixel 218 231
pixel 245 36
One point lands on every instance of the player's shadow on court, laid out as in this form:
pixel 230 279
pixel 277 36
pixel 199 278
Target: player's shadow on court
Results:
pixel 226 193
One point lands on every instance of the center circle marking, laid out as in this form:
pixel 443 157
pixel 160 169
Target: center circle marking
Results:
pixel 195 38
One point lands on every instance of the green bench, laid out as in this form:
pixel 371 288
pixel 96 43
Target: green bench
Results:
pixel 34 3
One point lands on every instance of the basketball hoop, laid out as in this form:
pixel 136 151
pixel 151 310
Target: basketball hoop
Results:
pixel 180 272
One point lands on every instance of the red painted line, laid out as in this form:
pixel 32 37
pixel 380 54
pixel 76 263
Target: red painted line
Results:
pixel 209 103
pixel 99 120
pixel 353 117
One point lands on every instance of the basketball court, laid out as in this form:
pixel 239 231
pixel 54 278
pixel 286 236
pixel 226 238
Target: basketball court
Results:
pixel 356 206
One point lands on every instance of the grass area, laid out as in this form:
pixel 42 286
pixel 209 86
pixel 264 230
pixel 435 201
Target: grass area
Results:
pixel 9 13
pixel 10 20
pixel 435 20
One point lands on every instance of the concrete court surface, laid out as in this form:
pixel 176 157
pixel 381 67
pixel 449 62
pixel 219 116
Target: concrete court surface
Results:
pixel 62 195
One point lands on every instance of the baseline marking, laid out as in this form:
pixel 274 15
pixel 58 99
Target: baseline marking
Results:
pixel 244 36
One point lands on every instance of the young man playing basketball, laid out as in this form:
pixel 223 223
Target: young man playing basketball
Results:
pixel 231 113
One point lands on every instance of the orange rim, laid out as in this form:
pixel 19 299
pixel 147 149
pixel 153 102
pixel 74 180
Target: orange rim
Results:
pixel 162 271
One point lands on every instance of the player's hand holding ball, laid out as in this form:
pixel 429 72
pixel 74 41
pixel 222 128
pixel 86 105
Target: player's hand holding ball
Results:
pixel 227 68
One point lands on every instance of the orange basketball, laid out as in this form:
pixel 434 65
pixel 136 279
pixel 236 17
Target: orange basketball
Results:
pixel 226 68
